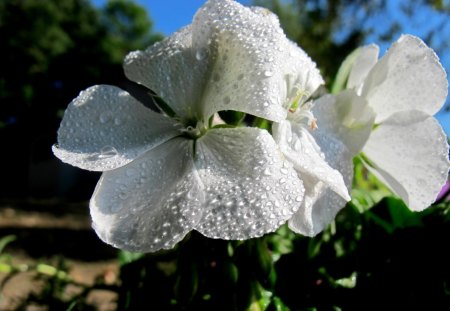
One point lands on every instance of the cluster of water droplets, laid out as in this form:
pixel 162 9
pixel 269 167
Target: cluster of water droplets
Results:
pixel 245 47
pixel 104 128
pixel 152 202
pixel 416 174
pixel 250 190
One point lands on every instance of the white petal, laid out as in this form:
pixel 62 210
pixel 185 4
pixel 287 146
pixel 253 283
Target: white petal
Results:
pixel 250 190
pixel 247 48
pixel 300 76
pixel 105 128
pixel 150 203
pixel 346 117
pixel 364 62
pixel 330 203
pixel 410 154
pixel 321 203
pixel 300 148
pixel 173 69
pixel 408 77
pixel 302 222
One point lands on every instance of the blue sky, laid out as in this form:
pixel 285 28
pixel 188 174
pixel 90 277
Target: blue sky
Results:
pixel 170 15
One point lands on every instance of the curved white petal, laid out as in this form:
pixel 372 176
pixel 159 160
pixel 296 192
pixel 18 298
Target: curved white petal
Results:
pixel 230 58
pixel 300 148
pixel 150 203
pixel 364 62
pixel 302 222
pixel 322 203
pixel 330 203
pixel 409 152
pixel 250 190
pixel 408 77
pixel 346 117
pixel 105 128
pixel 246 47
pixel 173 69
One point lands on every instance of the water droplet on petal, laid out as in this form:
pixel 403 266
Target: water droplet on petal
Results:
pixel 107 152
pixel 201 54
pixel 105 117
pixel 118 121
pixel 268 73
pixel 130 172
pixel 267 172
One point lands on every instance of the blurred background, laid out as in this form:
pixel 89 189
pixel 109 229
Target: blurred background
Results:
pixel 50 259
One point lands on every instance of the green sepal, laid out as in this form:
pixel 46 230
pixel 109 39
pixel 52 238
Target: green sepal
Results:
pixel 163 106
pixel 232 117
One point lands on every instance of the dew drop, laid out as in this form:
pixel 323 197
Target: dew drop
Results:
pixel 130 172
pixel 201 54
pixel 107 152
pixel 227 100
pixel 105 117
pixel 118 121
pixel 268 73
pixel 267 172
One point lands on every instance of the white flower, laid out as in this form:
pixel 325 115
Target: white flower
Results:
pixel 166 176
pixel 344 125
pixel 311 154
pixel 407 148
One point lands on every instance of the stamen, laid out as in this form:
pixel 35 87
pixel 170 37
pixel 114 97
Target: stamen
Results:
pixel 313 124
pixel 300 96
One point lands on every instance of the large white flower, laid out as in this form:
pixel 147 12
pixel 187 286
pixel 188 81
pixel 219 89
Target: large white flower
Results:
pixel 314 154
pixel 407 148
pixel 166 176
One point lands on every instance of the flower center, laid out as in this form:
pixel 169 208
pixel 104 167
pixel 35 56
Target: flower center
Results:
pixel 304 114
pixel 194 129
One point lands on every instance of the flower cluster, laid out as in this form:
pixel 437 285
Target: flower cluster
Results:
pixel 183 169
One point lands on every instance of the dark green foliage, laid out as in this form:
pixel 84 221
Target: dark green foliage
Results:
pixel 51 50
pixel 357 264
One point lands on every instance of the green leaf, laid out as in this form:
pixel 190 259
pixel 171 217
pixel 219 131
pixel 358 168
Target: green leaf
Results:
pixel 401 216
pixel 278 305
pixel 262 124
pixel 348 282
pixel 187 283
pixel 126 257
pixel 261 298
pixel 232 117
pixel 5 241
